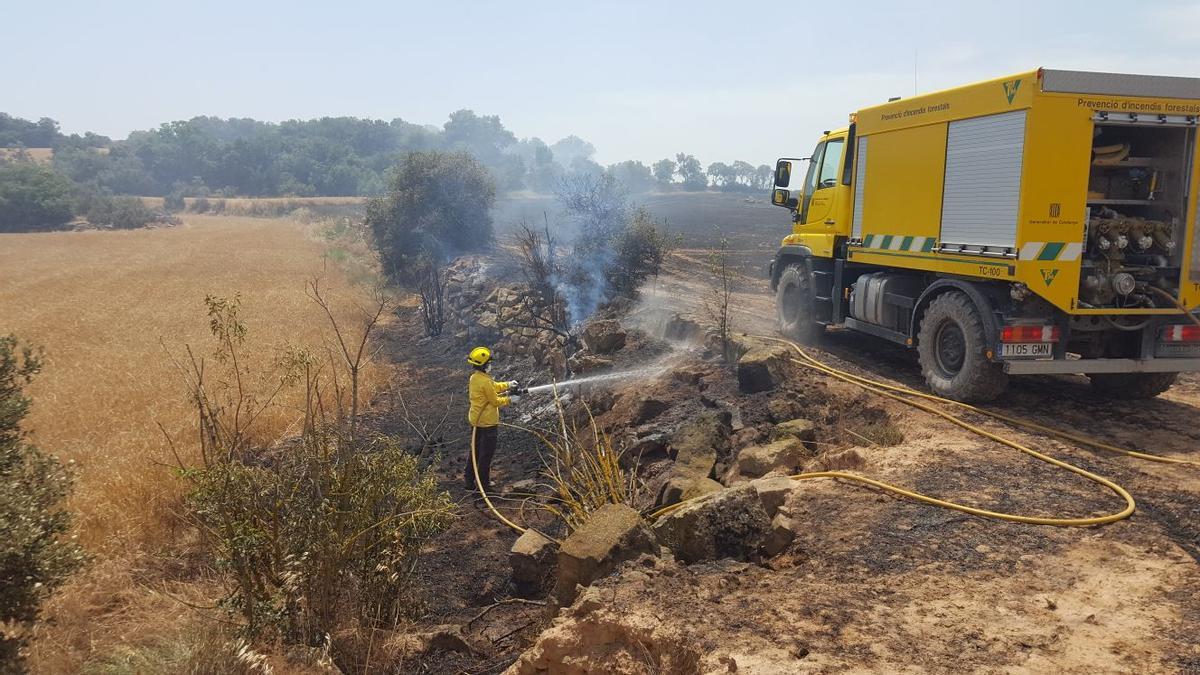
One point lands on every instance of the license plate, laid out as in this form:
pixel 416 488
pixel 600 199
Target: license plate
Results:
pixel 1027 350
pixel 1178 349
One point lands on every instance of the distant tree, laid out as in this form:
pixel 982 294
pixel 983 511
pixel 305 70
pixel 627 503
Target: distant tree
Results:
pixel 33 197
pixel 664 171
pixel 765 175
pixel 543 172
pixel 36 553
pixel 634 175
pixel 690 170
pixel 567 150
pixel 437 204
pixel 596 202
pixel 485 138
pixel 723 175
pixel 744 173
pixel 583 165
pixel 15 131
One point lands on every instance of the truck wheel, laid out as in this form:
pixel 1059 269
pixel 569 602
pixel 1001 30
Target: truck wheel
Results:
pixel 795 304
pixel 952 346
pixel 1131 386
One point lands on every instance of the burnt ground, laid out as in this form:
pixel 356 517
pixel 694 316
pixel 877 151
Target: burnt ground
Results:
pixel 878 583
pixel 872 582
pixel 465 570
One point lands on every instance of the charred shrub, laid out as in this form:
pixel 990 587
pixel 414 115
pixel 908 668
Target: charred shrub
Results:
pixel 36 554
pixel 611 248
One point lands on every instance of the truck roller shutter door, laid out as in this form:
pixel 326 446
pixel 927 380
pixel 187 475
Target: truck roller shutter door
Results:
pixel 860 182
pixel 983 180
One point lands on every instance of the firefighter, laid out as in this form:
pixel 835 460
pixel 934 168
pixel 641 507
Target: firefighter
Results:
pixel 484 415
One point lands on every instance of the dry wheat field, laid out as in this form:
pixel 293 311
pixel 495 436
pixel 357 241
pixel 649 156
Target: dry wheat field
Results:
pixel 112 309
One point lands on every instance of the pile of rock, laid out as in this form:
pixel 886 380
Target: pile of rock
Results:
pixel 744 516
pixel 481 311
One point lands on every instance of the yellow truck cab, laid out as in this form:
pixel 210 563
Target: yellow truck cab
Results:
pixel 1043 222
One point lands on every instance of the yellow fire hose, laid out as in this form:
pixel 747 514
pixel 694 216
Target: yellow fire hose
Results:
pixel 901 394
pixel 486 499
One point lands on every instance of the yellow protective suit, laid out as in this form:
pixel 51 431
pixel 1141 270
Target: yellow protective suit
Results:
pixel 486 401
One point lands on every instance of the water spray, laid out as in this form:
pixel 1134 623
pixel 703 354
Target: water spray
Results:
pixel 594 379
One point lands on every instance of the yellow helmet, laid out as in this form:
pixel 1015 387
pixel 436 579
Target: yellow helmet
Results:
pixel 479 356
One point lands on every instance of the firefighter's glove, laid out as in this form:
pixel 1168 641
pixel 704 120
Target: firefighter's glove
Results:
pixel 514 399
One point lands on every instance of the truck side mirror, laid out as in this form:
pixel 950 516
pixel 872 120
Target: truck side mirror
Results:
pixel 784 198
pixel 783 174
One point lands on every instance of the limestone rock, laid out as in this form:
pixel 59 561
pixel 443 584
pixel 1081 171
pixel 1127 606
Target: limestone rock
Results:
pixel 604 336
pixel 532 559
pixel 637 410
pixel 803 430
pixel 773 491
pixel 782 409
pixel 684 488
pixel 783 532
pixel 682 329
pixel 556 362
pixel 762 368
pixel 698 444
pixel 727 524
pixel 614 533
pixel 588 363
pixel 643 450
pixel 747 436
pixel 785 456
pixel 688 374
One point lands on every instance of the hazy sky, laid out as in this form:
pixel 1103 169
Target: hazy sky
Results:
pixel 642 80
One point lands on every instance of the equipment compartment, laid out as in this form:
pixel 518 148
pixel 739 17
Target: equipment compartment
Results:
pixel 1137 203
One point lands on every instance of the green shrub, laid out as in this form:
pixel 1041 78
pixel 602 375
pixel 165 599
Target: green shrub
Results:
pixel 36 555
pixel 436 204
pixel 173 202
pixel 121 213
pixel 323 529
pixel 33 198
pixel 639 251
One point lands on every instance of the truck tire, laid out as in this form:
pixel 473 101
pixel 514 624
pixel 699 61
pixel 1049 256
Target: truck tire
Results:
pixel 952 346
pixel 1131 386
pixel 795 304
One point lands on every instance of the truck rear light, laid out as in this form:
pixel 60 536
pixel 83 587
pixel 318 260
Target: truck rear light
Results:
pixel 1179 333
pixel 1029 334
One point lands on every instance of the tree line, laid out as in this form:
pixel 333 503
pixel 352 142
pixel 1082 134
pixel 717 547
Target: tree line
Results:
pixel 337 156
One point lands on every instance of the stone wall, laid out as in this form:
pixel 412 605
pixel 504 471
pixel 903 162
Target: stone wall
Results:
pixel 482 311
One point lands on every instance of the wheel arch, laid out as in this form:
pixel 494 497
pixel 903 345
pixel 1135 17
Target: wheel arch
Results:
pixel 791 253
pixel 982 296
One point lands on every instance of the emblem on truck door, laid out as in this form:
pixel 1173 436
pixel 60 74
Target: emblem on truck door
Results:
pixel 1010 89
pixel 1048 275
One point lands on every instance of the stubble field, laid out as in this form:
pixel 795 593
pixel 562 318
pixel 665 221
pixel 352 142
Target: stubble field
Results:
pixel 113 310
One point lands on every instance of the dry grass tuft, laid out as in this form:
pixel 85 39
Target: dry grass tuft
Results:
pixel 108 307
pixel 583 469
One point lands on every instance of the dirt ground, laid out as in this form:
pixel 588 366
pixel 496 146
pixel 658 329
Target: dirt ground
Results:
pixel 872 583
